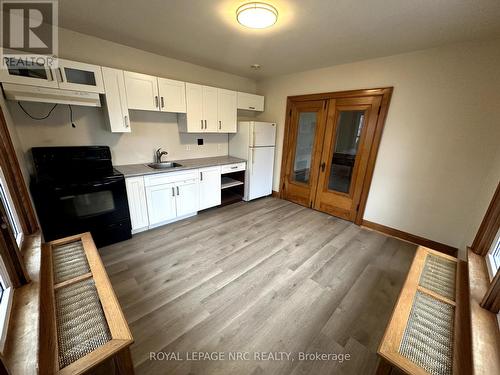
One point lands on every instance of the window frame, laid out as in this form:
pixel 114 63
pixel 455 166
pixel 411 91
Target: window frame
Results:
pixel 6 284
pixel 493 257
pixel 5 304
pixel 11 210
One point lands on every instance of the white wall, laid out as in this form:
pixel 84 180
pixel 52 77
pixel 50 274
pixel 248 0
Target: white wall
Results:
pixel 149 130
pixel 440 137
pixel 488 186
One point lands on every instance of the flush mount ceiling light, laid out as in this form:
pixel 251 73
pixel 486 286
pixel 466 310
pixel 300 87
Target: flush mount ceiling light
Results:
pixel 257 15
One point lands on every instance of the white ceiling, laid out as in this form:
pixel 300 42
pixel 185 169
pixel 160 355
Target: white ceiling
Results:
pixel 309 33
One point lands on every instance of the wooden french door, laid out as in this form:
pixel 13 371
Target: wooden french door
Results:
pixel 344 158
pixel 307 127
pixel 330 149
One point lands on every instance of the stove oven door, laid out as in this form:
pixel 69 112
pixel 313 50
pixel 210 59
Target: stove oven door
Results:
pixel 100 207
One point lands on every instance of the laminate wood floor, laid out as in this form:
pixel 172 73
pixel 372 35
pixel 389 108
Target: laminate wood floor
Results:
pixel 267 276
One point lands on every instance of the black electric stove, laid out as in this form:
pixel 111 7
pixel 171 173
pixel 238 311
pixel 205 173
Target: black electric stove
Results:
pixel 76 189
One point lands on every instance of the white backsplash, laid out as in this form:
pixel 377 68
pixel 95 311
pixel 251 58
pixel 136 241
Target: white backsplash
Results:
pixel 150 131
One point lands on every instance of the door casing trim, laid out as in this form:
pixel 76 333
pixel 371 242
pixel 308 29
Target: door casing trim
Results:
pixel 385 93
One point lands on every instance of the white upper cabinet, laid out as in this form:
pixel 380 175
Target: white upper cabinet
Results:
pixel 69 75
pixel 209 110
pixel 227 111
pixel 116 100
pixel 29 74
pixel 210 106
pixel 73 75
pixel 142 91
pixel 201 115
pixel 149 93
pixel 172 95
pixel 250 102
pixel 193 120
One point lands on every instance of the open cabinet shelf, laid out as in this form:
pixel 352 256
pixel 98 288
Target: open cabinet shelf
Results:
pixel 227 182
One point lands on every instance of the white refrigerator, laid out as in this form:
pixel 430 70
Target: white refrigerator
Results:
pixel 255 142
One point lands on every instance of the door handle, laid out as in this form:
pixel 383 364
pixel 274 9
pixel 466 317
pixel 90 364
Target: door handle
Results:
pixel 173 192
pixel 156 101
pixel 323 165
pixel 162 102
pixel 201 176
pixel 177 190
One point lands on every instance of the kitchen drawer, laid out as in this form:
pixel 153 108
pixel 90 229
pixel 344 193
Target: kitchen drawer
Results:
pixel 233 167
pixel 170 177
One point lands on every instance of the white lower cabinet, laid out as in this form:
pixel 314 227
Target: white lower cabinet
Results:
pixel 161 198
pixel 210 187
pixel 137 203
pixel 170 196
pixel 187 198
pixel 161 204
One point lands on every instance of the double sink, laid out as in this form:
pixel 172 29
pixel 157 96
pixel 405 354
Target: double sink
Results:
pixel 165 165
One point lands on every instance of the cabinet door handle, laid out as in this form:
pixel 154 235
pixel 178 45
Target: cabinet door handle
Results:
pixel 51 74
pixel 251 107
pixel 201 124
pixel 162 102
pixel 323 165
pixel 173 192
pixel 125 121
pixel 201 176
pixel 177 190
pixel 205 124
pixel 156 101
pixel 220 125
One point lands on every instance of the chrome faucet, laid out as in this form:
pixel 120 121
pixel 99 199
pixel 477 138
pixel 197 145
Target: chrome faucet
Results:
pixel 159 154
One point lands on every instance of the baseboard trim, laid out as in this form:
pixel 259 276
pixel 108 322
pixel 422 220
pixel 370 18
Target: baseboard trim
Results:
pixel 450 250
pixel 275 194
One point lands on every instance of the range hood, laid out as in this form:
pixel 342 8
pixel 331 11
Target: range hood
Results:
pixel 50 95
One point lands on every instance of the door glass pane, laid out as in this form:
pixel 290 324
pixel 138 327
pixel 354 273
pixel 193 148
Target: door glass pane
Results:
pixel 28 69
pixel 304 146
pixel 348 133
pixel 82 77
